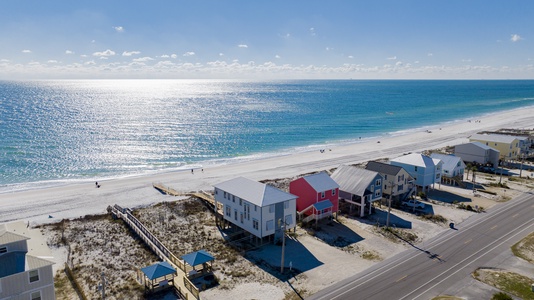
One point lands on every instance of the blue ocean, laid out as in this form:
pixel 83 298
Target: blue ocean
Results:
pixel 59 131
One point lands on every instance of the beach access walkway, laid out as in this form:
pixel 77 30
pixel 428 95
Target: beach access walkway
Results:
pixel 182 284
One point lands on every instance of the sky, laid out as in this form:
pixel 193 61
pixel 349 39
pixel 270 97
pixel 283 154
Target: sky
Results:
pixel 248 39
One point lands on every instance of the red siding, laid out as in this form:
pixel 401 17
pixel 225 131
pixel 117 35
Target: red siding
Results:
pixel 308 196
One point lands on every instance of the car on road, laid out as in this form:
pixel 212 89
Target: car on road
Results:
pixel 413 203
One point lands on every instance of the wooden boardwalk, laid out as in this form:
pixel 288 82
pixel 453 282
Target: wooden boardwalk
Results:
pixel 167 190
pixel 183 285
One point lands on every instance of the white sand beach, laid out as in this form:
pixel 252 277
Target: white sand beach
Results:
pixel 52 204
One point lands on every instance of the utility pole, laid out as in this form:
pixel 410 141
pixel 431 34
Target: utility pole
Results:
pixel 283 227
pixel 502 166
pixel 389 203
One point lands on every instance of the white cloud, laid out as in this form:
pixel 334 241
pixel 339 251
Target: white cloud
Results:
pixel 69 52
pixel 174 55
pixel 466 60
pixel 83 55
pixel 126 53
pixel 242 46
pixel 515 38
pixel 392 58
pixel 430 54
pixel 165 56
pixel 119 29
pixel 350 56
pixel 52 61
pixel 90 63
pixel 4 60
pixel 26 51
pixel 104 53
pixel 221 54
pixel 143 59
pixel 312 31
pixel 277 56
pixel 93 41
pixel 190 53
pixel 328 48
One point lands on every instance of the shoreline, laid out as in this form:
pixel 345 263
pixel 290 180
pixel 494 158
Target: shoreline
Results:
pixel 72 200
pixel 218 162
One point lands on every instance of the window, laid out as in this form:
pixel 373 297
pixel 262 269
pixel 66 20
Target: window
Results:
pixel 437 176
pixel 3 250
pixel 333 192
pixel 271 208
pixel 385 176
pixel 240 201
pixel 216 192
pixel 235 214
pixel 385 186
pixel 224 195
pixel 255 207
pixel 377 193
pixel 399 178
pixel 378 182
pixel 255 224
pixel 372 187
pixel 233 198
pixel 323 195
pixel 34 275
pixel 36 295
pixel 228 211
pixel 289 219
pixel 269 225
pixel 242 218
pixel 415 168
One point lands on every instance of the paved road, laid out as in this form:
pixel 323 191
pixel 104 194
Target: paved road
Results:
pixel 429 269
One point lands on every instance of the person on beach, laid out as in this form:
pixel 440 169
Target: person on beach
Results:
pixel 192 171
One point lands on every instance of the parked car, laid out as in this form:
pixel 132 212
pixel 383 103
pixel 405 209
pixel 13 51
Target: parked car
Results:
pixel 412 203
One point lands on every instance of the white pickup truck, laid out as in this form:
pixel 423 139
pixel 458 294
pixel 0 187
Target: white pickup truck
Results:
pixel 413 203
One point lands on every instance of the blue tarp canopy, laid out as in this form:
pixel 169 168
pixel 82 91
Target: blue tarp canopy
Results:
pixel 158 270
pixel 197 258
pixel 323 205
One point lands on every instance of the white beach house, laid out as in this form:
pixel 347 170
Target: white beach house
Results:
pixel 25 270
pixel 426 171
pixel 261 210
pixel 453 168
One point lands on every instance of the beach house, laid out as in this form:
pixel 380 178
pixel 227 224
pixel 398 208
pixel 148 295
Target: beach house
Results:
pixel 508 145
pixel 25 268
pixel 358 187
pixel 318 196
pixel 452 170
pixel 478 154
pixel 425 170
pixel 256 208
pixel 397 181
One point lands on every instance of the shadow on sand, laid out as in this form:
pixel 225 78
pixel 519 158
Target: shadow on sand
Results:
pixel 335 234
pixel 379 217
pixel 447 197
pixel 297 259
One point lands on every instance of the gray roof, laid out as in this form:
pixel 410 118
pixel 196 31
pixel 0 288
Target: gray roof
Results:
pixel 7 237
pixel 321 182
pixel 383 168
pixel 255 192
pixel 18 261
pixel 481 145
pixel 497 138
pixel 354 180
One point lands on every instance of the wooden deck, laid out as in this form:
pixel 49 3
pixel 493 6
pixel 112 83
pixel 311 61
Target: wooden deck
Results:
pixel 167 190
pixel 183 285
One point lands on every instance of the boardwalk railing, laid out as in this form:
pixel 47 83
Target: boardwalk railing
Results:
pixel 159 249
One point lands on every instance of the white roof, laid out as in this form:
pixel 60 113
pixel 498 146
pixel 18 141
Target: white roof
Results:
pixel 255 192
pixel 449 161
pixel 497 138
pixel 321 182
pixel 416 159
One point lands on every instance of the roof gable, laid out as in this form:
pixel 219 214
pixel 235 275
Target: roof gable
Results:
pixel 353 179
pixel 321 182
pixel 415 159
pixel 383 168
pixel 449 161
pixel 497 138
pixel 255 192
pixel 158 270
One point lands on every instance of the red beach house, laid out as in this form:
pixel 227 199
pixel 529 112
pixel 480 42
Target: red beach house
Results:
pixel 317 196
